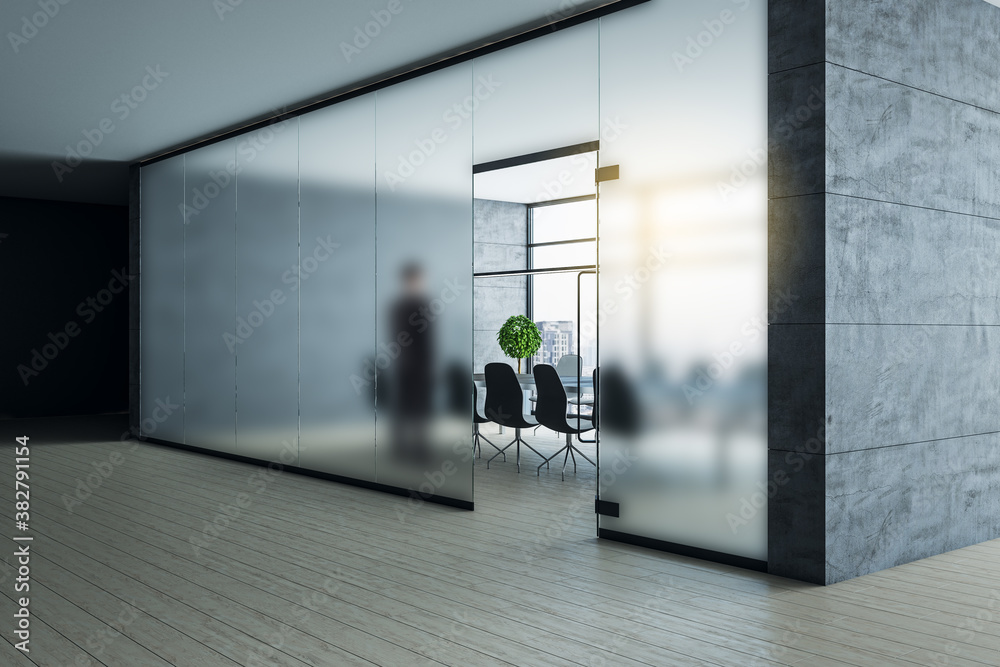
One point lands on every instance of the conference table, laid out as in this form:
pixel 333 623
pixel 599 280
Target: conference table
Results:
pixel 527 381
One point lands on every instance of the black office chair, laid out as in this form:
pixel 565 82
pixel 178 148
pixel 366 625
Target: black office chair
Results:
pixel 505 406
pixel 620 404
pixel 477 419
pixel 569 365
pixel 552 412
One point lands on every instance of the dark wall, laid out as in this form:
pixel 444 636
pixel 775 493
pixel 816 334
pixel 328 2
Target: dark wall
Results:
pixel 64 272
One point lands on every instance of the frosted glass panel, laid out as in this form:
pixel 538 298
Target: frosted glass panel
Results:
pixel 536 96
pixel 267 286
pixel 210 306
pixel 683 256
pixel 161 301
pixel 424 304
pixel 337 319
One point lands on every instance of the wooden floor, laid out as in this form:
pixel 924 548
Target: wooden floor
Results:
pixel 160 565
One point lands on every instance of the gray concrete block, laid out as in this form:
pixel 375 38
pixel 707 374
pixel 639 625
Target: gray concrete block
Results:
pixel 894 505
pixel 895 384
pixel 796 517
pixel 487 350
pixel 493 305
pixel 890 264
pixel 796 263
pixel 796 110
pixel 490 257
pixel 796 34
pixel 893 143
pixel 796 391
pixel 899 416
pixel 510 282
pixel 500 222
pixel 948 47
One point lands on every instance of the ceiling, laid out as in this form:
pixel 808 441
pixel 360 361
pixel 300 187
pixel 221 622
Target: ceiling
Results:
pixel 191 68
pixel 536 182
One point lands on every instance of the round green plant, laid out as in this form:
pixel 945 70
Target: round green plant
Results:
pixel 519 338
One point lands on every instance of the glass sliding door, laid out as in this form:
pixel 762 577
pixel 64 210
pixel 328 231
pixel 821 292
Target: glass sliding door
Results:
pixel 337 266
pixel 536 137
pixel 210 304
pixel 161 300
pixel 543 97
pixel 424 287
pixel 683 277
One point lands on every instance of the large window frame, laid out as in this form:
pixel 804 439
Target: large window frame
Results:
pixel 533 271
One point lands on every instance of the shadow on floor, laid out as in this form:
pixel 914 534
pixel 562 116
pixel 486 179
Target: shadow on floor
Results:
pixel 63 430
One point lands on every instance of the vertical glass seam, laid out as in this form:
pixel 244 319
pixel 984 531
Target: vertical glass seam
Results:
pixel 183 301
pixel 375 182
pixel 298 292
pixel 236 298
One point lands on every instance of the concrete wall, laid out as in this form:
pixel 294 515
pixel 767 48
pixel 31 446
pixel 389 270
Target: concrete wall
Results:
pixel 886 375
pixel 501 232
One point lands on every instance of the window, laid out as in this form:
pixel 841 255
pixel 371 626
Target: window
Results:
pixel 564 236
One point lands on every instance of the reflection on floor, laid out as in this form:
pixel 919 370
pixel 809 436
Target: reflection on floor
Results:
pixel 147 555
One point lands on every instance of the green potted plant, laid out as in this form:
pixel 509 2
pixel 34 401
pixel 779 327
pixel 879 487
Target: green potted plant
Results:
pixel 519 338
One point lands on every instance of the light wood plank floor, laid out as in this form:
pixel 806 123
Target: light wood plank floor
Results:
pixel 160 565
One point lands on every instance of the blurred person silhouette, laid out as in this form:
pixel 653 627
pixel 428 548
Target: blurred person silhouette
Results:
pixel 414 381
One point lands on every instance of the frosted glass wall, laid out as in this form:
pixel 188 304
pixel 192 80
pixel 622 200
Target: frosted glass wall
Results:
pixel 337 295
pixel 161 301
pixel 210 297
pixel 263 314
pixel 267 299
pixel 537 96
pixel 683 253
pixel 336 317
pixel 424 285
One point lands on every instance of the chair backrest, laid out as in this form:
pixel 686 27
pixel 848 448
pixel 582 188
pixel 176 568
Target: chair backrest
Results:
pixel 477 416
pixel 457 378
pixel 551 408
pixel 504 397
pixel 569 365
pixel 619 403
